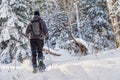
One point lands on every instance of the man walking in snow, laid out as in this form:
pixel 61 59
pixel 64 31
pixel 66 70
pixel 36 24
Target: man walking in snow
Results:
pixel 37 32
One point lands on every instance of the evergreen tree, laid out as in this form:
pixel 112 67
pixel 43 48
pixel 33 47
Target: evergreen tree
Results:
pixel 90 22
pixel 13 18
pixel 96 27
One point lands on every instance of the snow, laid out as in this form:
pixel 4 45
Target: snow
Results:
pixel 5 34
pixel 99 66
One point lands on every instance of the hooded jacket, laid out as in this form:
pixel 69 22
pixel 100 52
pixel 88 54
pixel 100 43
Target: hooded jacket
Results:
pixel 42 27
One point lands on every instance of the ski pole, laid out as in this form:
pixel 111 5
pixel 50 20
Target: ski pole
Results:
pixel 49 54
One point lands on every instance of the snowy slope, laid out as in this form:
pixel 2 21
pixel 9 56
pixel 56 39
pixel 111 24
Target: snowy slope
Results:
pixel 105 66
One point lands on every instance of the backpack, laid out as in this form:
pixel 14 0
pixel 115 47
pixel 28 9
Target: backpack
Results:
pixel 35 27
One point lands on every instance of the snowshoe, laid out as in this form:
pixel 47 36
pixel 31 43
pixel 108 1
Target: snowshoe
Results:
pixel 41 66
pixel 34 70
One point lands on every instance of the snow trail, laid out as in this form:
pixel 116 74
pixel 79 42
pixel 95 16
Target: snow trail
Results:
pixel 105 66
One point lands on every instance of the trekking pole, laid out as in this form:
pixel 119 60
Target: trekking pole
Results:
pixel 49 54
pixel 15 61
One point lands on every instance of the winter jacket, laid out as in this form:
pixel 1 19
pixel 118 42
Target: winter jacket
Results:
pixel 42 27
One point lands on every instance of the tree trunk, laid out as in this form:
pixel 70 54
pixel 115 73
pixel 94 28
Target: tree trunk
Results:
pixel 113 20
pixel 70 12
pixel 82 48
pixel 78 20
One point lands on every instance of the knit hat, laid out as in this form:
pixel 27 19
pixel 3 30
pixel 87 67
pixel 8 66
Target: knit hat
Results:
pixel 36 13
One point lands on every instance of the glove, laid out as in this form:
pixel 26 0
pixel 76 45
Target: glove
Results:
pixel 27 36
pixel 47 38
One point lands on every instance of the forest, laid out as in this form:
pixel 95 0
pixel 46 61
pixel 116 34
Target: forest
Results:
pixel 81 27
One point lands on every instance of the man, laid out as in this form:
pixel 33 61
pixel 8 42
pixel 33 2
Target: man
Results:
pixel 37 36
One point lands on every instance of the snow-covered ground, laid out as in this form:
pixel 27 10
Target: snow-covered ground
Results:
pixel 99 66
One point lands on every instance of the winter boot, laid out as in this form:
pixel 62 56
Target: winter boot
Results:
pixel 34 68
pixel 41 64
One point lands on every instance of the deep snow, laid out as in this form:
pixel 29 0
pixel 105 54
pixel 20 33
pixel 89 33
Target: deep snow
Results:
pixel 99 66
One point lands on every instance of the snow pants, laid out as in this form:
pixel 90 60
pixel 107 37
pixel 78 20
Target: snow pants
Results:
pixel 36 48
